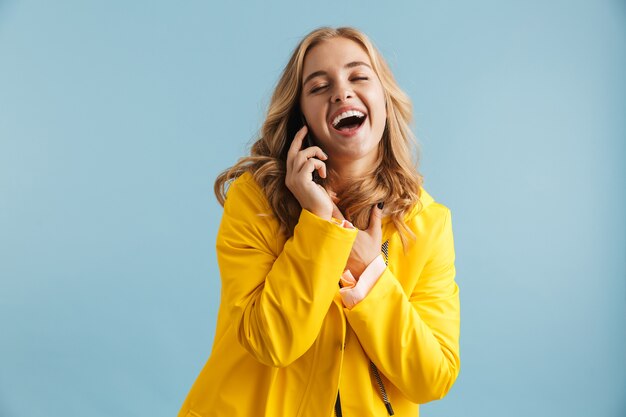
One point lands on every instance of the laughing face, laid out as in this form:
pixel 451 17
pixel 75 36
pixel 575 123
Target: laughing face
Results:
pixel 343 102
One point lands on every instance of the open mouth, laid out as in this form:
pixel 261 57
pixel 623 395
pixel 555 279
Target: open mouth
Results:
pixel 348 121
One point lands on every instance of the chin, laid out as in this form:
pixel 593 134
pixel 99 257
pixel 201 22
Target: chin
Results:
pixel 352 153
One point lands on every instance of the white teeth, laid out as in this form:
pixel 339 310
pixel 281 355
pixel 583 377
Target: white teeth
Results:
pixel 348 113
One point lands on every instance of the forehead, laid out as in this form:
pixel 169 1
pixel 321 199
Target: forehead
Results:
pixel 333 54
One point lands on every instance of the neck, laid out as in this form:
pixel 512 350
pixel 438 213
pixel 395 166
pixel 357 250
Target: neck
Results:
pixel 342 173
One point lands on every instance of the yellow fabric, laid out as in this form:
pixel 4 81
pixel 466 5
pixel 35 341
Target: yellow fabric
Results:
pixel 284 343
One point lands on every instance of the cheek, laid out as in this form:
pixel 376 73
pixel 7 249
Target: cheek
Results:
pixel 380 111
pixel 304 108
pixel 315 120
pixel 311 113
pixel 378 98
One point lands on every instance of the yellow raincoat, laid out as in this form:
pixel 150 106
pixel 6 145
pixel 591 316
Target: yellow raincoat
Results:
pixel 285 344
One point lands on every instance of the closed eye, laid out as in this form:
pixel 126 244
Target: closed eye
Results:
pixel 318 88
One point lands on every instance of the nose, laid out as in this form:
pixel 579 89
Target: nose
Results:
pixel 341 93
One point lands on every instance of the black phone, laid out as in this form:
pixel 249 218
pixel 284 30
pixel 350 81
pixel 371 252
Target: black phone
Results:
pixel 295 123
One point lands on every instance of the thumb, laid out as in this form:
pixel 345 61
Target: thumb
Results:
pixel 376 218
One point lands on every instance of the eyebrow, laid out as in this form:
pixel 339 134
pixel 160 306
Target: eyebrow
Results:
pixel 348 65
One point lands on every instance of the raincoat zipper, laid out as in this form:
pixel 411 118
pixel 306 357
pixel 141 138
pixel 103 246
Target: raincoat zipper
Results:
pixel 379 381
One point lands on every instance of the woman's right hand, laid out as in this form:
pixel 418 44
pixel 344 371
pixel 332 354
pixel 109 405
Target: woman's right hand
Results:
pixel 299 179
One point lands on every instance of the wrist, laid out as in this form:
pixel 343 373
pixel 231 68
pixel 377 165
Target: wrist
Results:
pixel 322 214
pixel 320 211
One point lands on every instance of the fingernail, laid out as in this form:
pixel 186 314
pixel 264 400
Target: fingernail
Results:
pixel 380 205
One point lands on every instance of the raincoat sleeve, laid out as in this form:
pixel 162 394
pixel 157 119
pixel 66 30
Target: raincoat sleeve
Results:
pixel 414 340
pixel 277 296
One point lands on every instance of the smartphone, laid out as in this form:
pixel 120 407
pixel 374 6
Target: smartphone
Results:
pixel 295 123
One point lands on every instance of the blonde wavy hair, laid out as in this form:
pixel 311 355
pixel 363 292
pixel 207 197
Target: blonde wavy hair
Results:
pixel 394 178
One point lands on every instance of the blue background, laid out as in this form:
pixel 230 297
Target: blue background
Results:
pixel 116 117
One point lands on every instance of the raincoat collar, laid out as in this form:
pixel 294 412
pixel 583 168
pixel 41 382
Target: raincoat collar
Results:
pixel 425 198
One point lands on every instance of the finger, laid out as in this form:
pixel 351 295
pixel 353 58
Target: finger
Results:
pixel 296 145
pixel 313 164
pixel 376 217
pixel 313 151
pixel 306 154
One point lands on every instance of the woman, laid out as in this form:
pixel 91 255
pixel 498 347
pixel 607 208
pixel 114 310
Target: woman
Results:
pixel 337 267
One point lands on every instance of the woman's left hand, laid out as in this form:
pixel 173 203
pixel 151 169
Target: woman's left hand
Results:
pixel 366 247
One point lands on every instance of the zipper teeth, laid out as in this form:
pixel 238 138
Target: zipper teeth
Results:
pixel 338 412
pixel 379 381
pixel 385 250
